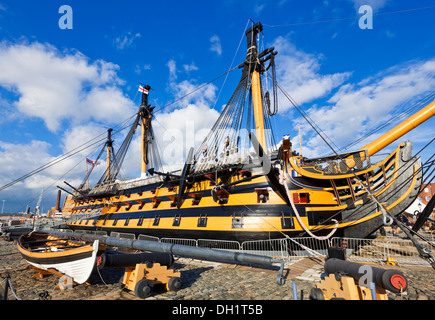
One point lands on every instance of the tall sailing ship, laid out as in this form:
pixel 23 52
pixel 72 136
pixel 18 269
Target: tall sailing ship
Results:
pixel 240 184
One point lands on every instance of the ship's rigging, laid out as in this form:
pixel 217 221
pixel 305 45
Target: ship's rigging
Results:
pixel 232 154
pixel 230 130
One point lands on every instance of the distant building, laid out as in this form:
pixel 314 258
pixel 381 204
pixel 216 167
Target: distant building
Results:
pixel 420 203
pixel 427 193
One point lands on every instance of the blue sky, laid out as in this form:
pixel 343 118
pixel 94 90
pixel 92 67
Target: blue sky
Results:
pixel 61 87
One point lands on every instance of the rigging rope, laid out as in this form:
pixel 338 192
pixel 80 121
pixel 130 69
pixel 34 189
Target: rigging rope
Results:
pixel 315 127
pixel 298 217
pixel 115 166
pixel 392 192
pixel 408 111
pixel 349 18
pixel 198 88
pixel 383 209
pixel 59 159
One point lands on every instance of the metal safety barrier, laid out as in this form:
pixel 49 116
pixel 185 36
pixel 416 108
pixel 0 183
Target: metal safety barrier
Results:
pixel 377 250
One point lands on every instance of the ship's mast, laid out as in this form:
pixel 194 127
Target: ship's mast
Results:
pixel 109 151
pixel 254 69
pixel 146 116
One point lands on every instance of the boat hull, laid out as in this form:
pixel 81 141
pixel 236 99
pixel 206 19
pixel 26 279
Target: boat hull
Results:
pixel 76 263
pixel 326 205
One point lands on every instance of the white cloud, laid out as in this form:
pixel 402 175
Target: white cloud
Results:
pixel 12 154
pixel 190 67
pixel 196 93
pixel 56 86
pixel 172 65
pixel 358 108
pixel 71 95
pixel 19 159
pixel 375 4
pixel 204 96
pixel 182 129
pixel 298 73
pixel 175 131
pixel 138 68
pixel 216 45
pixel 76 136
pixel 126 40
pixel 258 8
pixel 7 111
pixel 189 120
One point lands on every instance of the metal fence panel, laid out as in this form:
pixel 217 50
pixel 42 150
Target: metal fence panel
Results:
pixel 184 242
pixel 121 235
pixel 297 247
pixel 404 252
pixel 361 250
pixel 378 250
pixel 148 238
pixel 272 247
pixel 219 244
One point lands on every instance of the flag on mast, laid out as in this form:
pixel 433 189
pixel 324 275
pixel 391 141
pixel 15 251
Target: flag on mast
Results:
pixel 142 89
pixel 94 163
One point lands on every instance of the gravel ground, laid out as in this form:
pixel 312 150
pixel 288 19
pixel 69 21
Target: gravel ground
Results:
pixel 201 280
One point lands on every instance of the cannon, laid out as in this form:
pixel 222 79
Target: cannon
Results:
pixel 142 271
pixel 353 281
pixel 145 270
pixel 113 259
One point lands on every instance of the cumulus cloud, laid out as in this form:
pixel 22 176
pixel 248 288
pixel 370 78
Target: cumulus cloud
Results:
pixel 56 86
pixel 172 65
pixel 182 129
pixel 186 122
pixel 126 40
pixel 12 154
pixel 375 4
pixel 299 73
pixel 258 8
pixel 18 160
pixel 216 45
pixel 138 68
pixel 72 95
pixel 190 67
pixel 357 108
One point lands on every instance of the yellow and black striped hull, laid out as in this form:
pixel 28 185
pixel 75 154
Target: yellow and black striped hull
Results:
pixel 257 209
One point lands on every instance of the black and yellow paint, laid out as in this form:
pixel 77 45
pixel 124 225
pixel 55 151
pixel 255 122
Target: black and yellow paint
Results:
pixel 250 210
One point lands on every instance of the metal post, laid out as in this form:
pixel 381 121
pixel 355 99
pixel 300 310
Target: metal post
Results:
pixel 373 289
pixel 5 296
pixel 295 291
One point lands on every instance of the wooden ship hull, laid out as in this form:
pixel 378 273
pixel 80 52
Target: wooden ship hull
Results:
pixel 242 216
pixel 62 256
pixel 273 193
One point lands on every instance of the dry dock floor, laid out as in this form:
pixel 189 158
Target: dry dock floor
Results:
pixel 201 280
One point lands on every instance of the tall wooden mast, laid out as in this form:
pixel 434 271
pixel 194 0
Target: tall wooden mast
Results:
pixel 254 69
pixel 146 116
pixel 109 151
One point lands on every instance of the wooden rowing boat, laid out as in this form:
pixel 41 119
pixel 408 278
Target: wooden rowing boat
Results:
pixel 73 259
